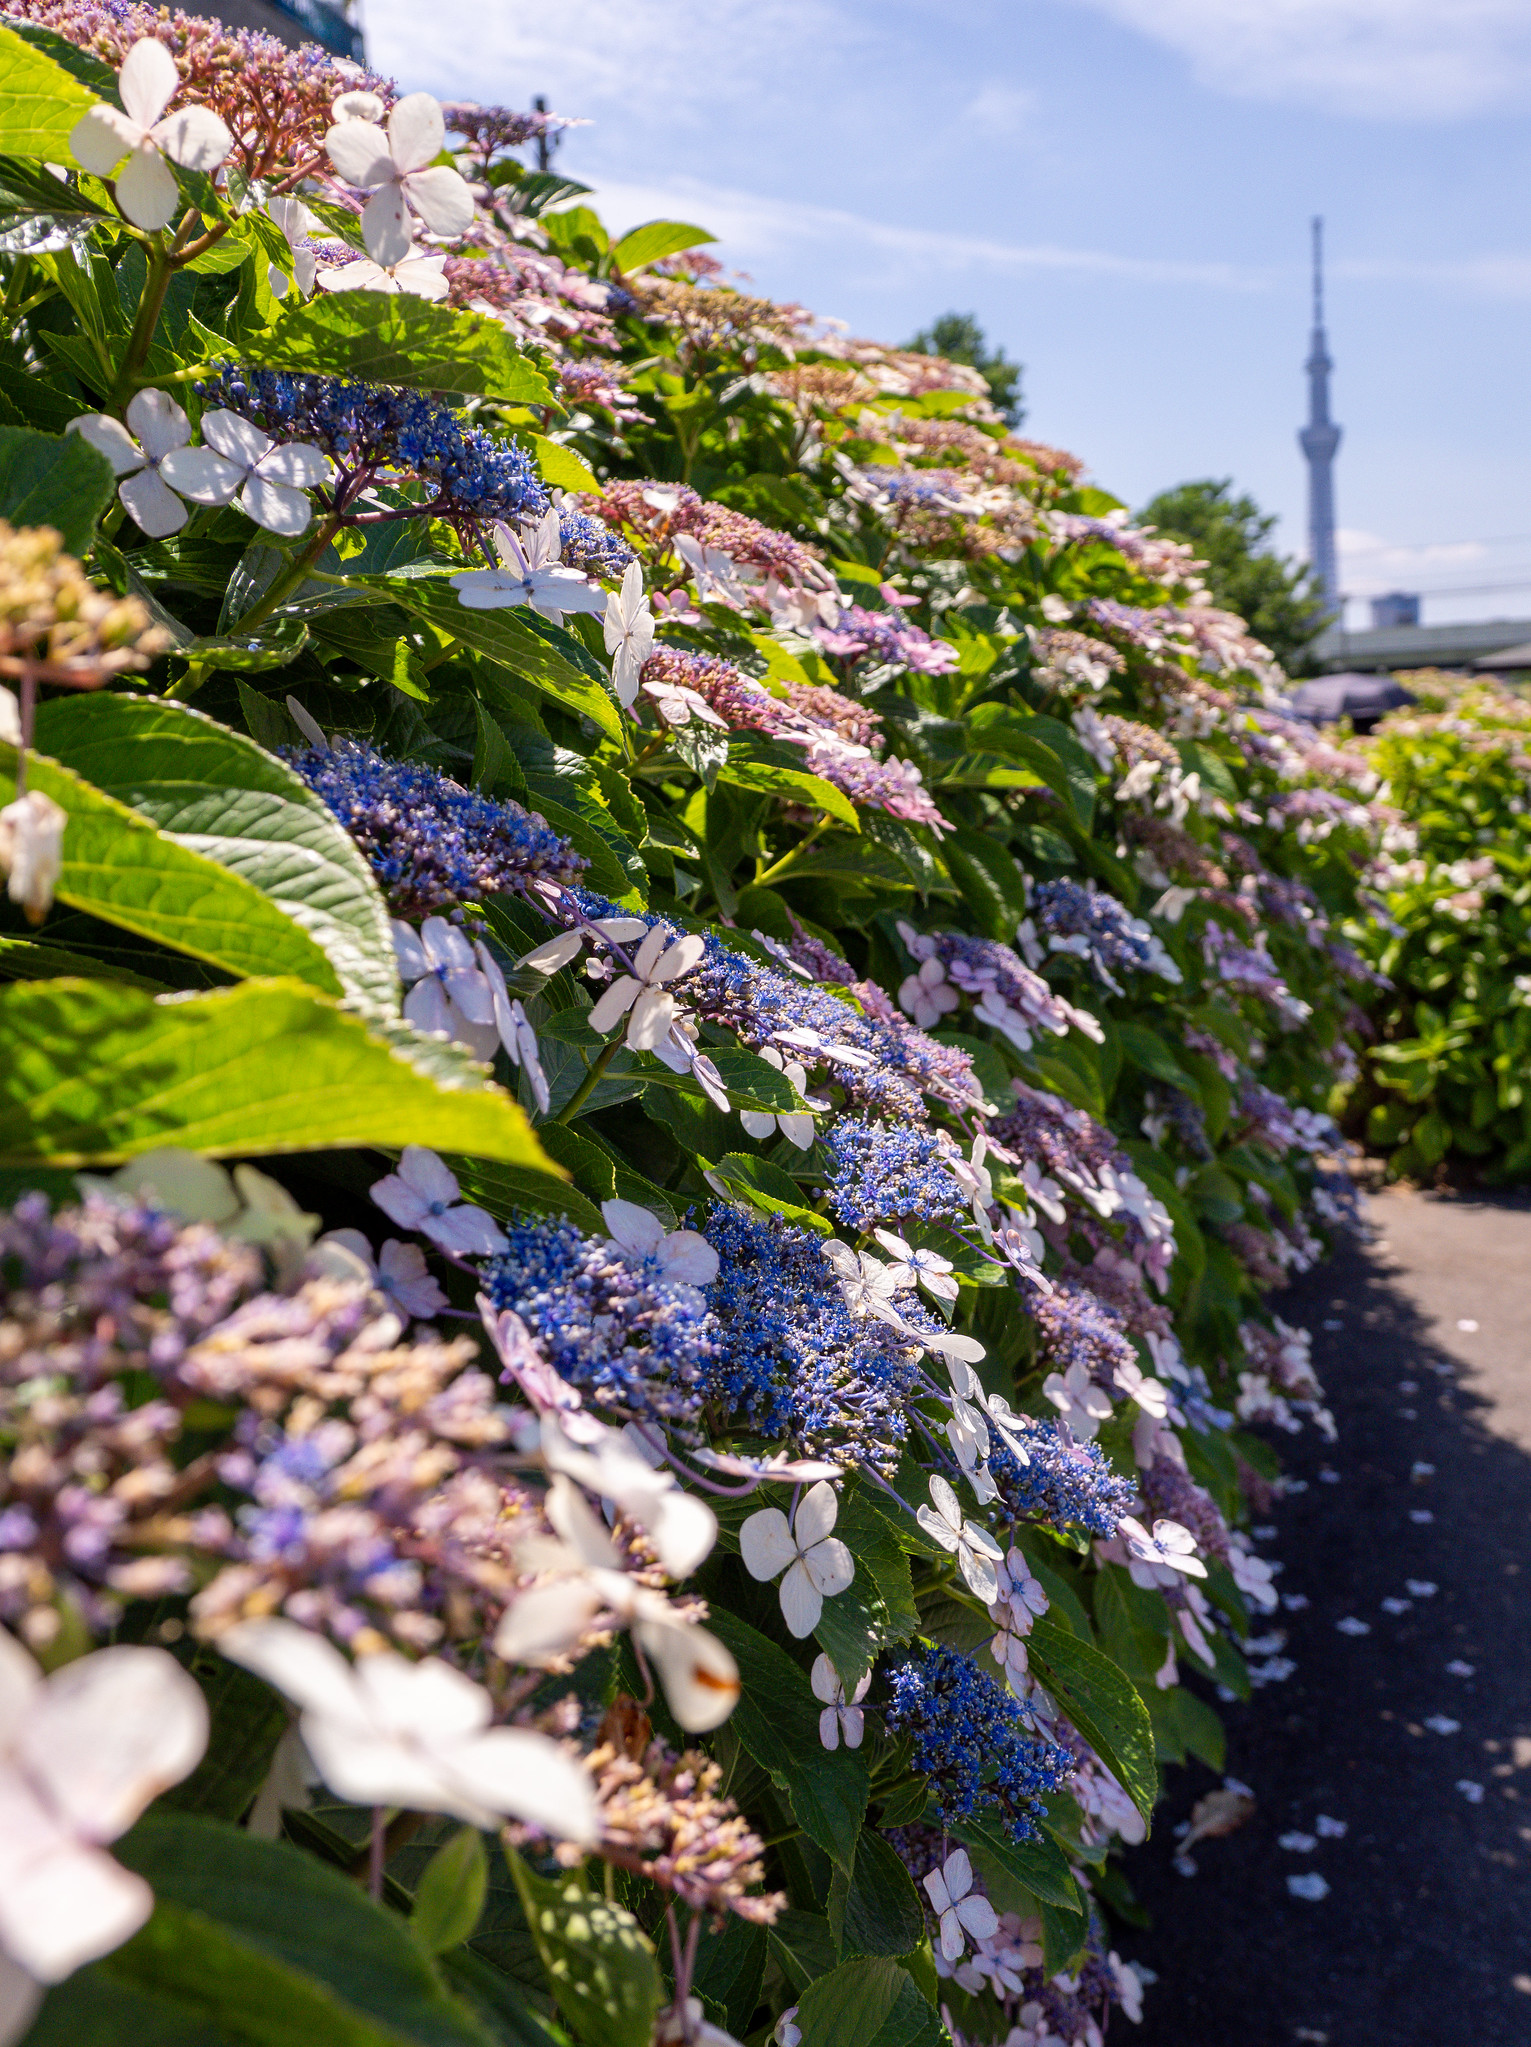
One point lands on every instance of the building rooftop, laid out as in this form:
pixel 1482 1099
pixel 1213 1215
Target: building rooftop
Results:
pixel 1418 646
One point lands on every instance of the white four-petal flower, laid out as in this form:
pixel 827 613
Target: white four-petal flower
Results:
pixel 959 1908
pixel 82 1752
pixel 530 573
pixel 420 275
pixel 841 1716
pixel 162 428
pixel 384 1731
pixel 424 1195
pixel 975 1549
pixel 270 480
pixel 683 1255
pixel 193 137
pixel 796 1125
pixel 925 1268
pixel 643 991
pixel 398 168
pixel 629 632
pixel 817 1564
pixel 32 851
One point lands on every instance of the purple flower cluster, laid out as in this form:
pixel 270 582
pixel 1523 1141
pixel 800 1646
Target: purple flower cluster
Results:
pixel 1074 1327
pixel 969 1742
pixel 608 1319
pixel 791 1358
pixel 1250 970
pixel 1087 921
pixel 1068 1485
pixel 431 843
pixel 882 1174
pixel 889 639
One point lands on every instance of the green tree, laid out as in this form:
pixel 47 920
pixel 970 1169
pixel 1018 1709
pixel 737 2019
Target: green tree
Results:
pixel 959 338
pixel 1274 595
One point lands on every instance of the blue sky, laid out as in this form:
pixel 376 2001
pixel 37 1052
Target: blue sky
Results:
pixel 1120 189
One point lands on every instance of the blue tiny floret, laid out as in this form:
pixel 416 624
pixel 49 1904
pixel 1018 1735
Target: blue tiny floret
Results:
pixel 431 843
pixel 970 1744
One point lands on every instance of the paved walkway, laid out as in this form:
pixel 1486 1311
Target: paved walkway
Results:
pixel 1414 1734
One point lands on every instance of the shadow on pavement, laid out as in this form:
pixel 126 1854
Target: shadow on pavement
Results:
pixel 1424 1938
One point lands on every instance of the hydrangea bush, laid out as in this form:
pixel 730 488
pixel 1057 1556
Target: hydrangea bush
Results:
pixel 1444 1087
pixel 667 1007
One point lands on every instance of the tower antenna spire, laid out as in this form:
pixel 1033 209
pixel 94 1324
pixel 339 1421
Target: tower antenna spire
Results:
pixel 1320 440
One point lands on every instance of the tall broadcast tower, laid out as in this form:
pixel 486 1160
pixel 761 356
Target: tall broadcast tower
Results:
pixel 1319 441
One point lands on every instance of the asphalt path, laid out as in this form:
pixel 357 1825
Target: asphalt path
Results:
pixel 1410 1726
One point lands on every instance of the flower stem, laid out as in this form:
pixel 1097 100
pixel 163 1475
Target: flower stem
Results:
pixel 150 305
pixel 284 585
pixel 588 1085
pixel 790 858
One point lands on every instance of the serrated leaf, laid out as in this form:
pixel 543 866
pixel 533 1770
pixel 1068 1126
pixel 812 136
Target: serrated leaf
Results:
pixel 119 866
pixel 40 104
pixel 1102 1703
pixel 56 480
pixel 777 1722
pixel 92 1073
pixel 655 240
pixel 795 784
pixel 505 638
pixel 220 796
pixel 397 339
pixel 599 1964
pixel 561 467
pixel 877 1907
pixel 867 2003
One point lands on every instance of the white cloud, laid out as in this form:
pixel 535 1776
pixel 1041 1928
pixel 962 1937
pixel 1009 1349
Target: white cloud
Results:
pixel 1001 110
pixel 750 226
pixel 1398 59
pixel 658 60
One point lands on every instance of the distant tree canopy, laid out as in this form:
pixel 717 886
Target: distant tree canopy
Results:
pixel 1275 596
pixel 959 338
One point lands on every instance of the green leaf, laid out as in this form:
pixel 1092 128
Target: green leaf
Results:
pixel 117 865
pixel 803 1946
pixel 1040 1866
pixel 655 240
pixel 92 1073
pixel 397 339
pixel 502 1188
pixel 252 1941
pixel 561 466
pixel 868 2003
pixel 40 104
pixel 599 1964
pixel 992 885
pixel 248 1719
pixel 878 1908
pixel 795 784
pixel 56 480
pixel 219 795
pixel 777 1722
pixel 506 638
pixel 765 1186
pixel 1146 1050
pixel 24 959
pixel 1102 1704
pixel 449 1898
pixel 273 644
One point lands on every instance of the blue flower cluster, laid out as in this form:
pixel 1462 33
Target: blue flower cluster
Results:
pixel 590 544
pixel 607 1319
pixel 791 1357
pixel 1069 1485
pixel 1076 1327
pixel 368 427
pixel 431 843
pixel 880 1173
pixel 757 1004
pixel 1103 929
pixel 926 489
pixel 969 1741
